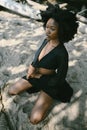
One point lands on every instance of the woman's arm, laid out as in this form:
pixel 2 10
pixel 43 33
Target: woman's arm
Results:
pixel 31 71
pixel 60 76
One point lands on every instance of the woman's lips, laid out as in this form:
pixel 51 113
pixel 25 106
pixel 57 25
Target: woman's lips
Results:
pixel 47 36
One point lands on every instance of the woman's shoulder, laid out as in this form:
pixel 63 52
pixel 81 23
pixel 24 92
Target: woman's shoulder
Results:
pixel 62 51
pixel 62 48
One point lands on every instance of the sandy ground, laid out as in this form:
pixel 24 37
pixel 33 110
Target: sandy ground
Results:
pixel 19 39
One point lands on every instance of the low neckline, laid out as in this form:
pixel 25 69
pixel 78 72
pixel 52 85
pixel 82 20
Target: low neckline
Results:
pixel 47 53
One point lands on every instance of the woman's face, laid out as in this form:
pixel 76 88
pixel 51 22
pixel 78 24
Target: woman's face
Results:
pixel 52 29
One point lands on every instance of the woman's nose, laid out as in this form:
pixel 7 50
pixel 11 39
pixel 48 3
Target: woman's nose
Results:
pixel 47 31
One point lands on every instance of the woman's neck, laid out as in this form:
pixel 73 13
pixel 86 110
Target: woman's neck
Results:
pixel 54 42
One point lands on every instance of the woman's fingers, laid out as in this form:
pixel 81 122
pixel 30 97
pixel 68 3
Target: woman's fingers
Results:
pixel 33 75
pixel 28 76
pixel 38 76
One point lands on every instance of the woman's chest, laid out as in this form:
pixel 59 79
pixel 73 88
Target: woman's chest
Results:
pixel 49 60
pixel 46 51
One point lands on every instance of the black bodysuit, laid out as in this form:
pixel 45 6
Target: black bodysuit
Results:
pixel 54 85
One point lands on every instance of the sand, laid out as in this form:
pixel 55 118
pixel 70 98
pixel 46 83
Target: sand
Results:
pixel 19 39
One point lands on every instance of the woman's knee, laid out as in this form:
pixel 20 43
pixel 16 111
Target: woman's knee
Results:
pixel 11 91
pixel 35 118
pixel 19 86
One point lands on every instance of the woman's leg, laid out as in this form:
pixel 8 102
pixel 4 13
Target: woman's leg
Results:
pixel 41 107
pixel 19 86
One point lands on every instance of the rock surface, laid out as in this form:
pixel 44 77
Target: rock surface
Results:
pixel 19 39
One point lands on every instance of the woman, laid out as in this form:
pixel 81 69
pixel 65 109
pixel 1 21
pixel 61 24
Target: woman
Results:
pixel 48 70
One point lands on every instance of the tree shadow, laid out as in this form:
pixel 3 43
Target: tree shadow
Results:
pixel 19 41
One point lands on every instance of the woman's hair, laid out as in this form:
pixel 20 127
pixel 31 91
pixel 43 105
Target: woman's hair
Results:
pixel 67 22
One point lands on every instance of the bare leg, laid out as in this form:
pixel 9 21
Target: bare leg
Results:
pixel 41 107
pixel 19 86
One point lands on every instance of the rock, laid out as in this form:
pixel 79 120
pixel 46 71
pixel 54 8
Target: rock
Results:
pixel 83 28
pixel 21 9
pixel 3 122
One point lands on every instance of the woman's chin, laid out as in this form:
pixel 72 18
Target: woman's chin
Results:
pixel 48 38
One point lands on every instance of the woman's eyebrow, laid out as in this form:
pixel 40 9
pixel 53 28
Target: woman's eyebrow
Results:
pixel 52 26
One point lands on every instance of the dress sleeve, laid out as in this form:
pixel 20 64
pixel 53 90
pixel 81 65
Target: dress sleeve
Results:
pixel 34 64
pixel 60 75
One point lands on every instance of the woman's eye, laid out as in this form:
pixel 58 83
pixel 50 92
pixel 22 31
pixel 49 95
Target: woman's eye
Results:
pixel 46 27
pixel 53 29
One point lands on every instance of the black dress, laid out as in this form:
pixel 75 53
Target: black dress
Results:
pixel 54 85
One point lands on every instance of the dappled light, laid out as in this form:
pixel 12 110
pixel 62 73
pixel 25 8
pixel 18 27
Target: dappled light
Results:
pixel 18 43
pixel 18 69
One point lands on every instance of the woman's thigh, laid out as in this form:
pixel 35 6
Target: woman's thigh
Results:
pixel 40 108
pixel 19 86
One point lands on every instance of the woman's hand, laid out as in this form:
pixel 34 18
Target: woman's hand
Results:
pixel 36 75
pixel 31 71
